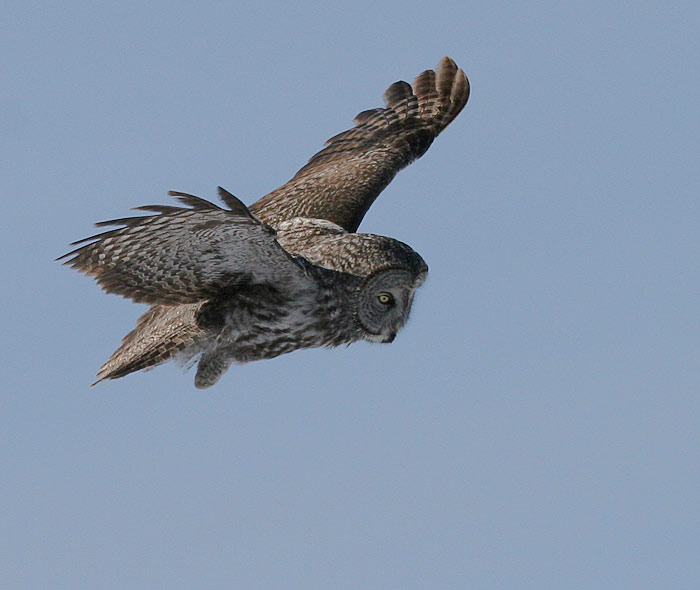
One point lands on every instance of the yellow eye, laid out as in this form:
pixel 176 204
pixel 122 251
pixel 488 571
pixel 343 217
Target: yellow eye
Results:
pixel 385 298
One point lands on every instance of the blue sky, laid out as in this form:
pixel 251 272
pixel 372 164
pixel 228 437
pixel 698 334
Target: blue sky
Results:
pixel 536 423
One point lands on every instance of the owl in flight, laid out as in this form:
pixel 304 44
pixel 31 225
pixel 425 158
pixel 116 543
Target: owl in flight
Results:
pixel 237 284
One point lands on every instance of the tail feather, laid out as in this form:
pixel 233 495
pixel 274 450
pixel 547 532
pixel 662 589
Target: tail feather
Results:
pixel 160 333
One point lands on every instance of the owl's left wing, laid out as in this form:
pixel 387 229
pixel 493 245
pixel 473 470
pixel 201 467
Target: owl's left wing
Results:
pixel 185 255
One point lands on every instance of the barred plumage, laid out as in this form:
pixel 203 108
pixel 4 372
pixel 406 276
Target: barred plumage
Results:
pixel 340 182
pixel 236 284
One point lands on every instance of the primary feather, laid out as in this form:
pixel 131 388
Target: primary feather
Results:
pixel 183 255
pixel 340 182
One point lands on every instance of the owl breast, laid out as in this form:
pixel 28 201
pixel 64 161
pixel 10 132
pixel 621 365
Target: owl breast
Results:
pixel 263 322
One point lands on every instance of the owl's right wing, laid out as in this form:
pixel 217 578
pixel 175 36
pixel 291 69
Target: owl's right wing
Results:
pixel 184 255
pixel 341 181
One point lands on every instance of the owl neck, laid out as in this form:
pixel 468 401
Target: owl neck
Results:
pixel 336 304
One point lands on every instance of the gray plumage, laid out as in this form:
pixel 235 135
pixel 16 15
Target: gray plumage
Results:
pixel 236 284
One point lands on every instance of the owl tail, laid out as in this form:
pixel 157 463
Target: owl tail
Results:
pixel 160 333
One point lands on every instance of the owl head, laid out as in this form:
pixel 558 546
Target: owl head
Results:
pixel 384 301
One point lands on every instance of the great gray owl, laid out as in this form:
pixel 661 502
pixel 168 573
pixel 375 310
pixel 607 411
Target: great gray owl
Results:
pixel 238 284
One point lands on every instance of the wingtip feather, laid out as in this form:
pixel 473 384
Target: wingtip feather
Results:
pixel 233 203
pixel 100 380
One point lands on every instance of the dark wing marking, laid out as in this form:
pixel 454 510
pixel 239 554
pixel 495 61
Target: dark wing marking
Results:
pixel 184 255
pixel 341 181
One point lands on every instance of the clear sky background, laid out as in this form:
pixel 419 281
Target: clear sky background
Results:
pixel 537 422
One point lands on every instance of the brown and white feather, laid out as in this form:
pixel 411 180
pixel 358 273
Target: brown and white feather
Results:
pixel 239 284
pixel 340 182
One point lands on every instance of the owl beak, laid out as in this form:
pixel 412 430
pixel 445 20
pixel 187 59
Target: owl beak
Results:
pixel 390 338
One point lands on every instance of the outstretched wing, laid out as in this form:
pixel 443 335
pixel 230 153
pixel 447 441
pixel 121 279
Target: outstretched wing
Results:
pixel 341 181
pixel 185 255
